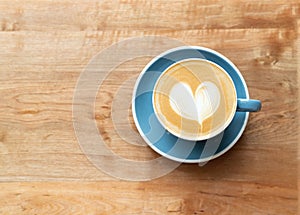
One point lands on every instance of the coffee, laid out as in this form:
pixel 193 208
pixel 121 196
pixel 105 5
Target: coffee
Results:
pixel 194 99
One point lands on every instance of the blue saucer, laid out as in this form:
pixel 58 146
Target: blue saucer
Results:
pixel 161 140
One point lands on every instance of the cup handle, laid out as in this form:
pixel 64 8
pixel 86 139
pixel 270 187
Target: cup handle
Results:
pixel 248 105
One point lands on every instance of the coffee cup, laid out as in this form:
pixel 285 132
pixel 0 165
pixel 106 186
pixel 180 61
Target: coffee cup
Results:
pixel 196 99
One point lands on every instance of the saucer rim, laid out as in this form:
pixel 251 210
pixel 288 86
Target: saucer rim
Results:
pixel 149 143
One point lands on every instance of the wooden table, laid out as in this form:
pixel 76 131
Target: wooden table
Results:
pixel 45 46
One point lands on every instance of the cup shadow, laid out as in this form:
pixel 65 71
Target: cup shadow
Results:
pixel 225 167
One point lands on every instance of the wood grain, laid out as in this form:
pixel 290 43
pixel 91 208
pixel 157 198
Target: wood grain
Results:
pixel 221 197
pixel 45 46
pixel 140 15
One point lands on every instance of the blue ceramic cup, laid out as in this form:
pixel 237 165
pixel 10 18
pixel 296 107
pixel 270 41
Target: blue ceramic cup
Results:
pixel 174 146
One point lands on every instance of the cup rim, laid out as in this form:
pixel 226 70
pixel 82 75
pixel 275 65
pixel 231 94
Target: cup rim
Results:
pixel 196 137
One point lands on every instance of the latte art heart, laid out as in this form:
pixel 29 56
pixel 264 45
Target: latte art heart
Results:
pixel 194 99
pixel 195 106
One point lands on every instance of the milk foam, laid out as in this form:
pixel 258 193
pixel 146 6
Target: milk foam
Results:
pixel 197 105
